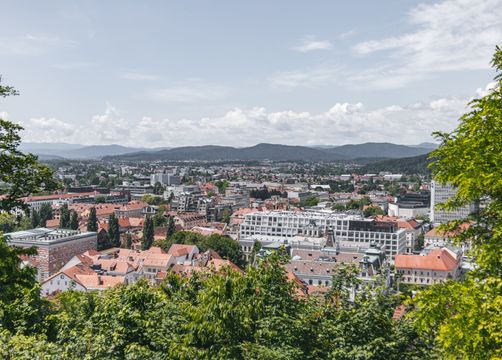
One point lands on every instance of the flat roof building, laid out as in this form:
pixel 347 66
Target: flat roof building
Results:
pixel 55 247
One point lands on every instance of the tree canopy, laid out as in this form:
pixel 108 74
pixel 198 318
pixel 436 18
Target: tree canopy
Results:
pixel 464 318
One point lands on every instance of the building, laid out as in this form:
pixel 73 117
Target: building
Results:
pixel 55 247
pixel 189 220
pixel 317 267
pixel 410 205
pixel 439 238
pixel 165 179
pixel 348 231
pixel 440 194
pixel 440 264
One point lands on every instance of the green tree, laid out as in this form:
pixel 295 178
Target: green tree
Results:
pixel 45 214
pixel 114 230
pixel 74 220
pixel 372 211
pixel 311 201
pixel 171 227
pixel 225 217
pixel 22 172
pixel 148 232
pixel 35 219
pixel 92 222
pixel 222 185
pixel 64 219
pixel 128 241
pixel 464 318
pixel 158 189
pixel 226 247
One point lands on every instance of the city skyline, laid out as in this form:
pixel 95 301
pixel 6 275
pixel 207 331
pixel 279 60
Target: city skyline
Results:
pixel 155 74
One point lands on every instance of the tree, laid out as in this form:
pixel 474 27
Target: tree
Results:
pixel 128 241
pixel 222 185
pixel 311 201
pixel 225 217
pixel 35 219
pixel 148 232
pixel 92 222
pixel 64 219
pixel 20 304
pixel 74 220
pixel 22 172
pixel 158 189
pixel 171 227
pixel 371 211
pixel 464 318
pixel 114 230
pixel 226 247
pixel 45 214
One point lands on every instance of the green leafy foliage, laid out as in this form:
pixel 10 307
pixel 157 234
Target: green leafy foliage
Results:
pixel 223 315
pixel 464 319
pixel 92 222
pixel 225 246
pixel 148 233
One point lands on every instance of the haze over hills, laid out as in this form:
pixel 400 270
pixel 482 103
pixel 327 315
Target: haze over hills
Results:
pixel 277 152
pixel 76 151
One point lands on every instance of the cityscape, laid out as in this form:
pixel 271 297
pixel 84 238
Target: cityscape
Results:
pixel 165 230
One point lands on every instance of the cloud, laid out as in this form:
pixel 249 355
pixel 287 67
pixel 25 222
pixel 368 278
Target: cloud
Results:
pixel 341 123
pixel 451 35
pixel 309 78
pixel 311 43
pixel 32 45
pixel 188 92
pixel 138 76
pixel 73 65
pixel 347 34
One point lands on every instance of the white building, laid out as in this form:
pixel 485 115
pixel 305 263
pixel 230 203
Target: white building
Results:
pixel 350 231
pixel 440 193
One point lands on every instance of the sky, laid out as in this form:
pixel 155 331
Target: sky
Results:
pixel 226 72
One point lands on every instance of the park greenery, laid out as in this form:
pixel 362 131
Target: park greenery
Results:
pixel 260 313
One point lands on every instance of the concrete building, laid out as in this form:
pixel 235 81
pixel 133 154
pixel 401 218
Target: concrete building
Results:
pixel 350 231
pixel 165 179
pixel 55 246
pixel 438 265
pixel 440 193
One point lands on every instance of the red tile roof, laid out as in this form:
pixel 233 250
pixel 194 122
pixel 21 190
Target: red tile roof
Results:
pixel 438 259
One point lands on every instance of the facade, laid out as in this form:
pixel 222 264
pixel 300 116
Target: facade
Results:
pixel 55 246
pixel 440 264
pixel 440 193
pixel 189 220
pixel 165 179
pixel 348 231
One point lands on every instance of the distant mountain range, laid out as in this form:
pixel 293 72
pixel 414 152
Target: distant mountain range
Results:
pixel 275 152
pixel 52 151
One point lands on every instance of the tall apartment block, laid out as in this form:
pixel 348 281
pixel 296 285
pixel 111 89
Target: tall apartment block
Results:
pixel 440 193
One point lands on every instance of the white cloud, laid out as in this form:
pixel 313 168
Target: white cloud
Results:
pixel 450 35
pixel 138 76
pixel 32 45
pixel 342 123
pixel 347 34
pixel 311 43
pixel 188 92
pixel 486 90
pixel 310 78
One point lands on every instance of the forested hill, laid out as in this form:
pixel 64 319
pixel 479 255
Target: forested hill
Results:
pixel 410 165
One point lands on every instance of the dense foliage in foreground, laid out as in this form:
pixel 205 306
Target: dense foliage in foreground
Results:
pixel 229 315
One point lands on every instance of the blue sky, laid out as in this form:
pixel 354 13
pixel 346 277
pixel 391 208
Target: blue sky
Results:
pixel 159 73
